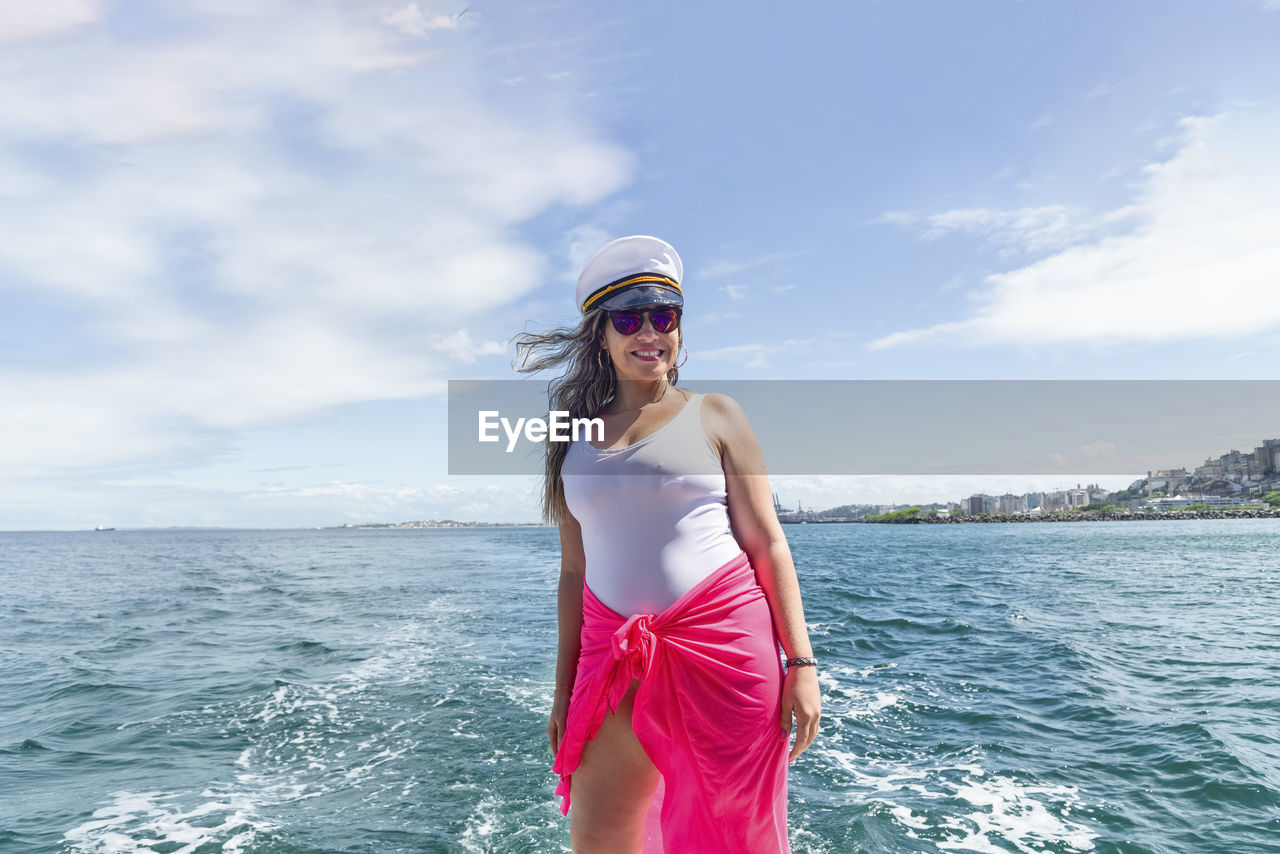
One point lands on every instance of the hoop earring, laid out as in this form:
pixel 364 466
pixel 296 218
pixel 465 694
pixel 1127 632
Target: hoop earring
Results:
pixel 600 364
pixel 686 356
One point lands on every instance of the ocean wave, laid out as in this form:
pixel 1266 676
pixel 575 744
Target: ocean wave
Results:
pixel 961 806
pixel 138 822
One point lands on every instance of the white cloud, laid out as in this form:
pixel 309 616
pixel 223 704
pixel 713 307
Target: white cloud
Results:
pixel 462 347
pixel 25 21
pixel 1199 260
pixel 283 210
pixel 1099 450
pixel 82 504
pixel 748 355
pixel 1018 231
pixel 584 242
pixel 1103 89
pixel 164 412
pixel 756 356
pixel 901 218
pixel 735 265
pixel 357 502
pixel 734 292
pixel 1044 120
pixel 410 19
pixel 711 318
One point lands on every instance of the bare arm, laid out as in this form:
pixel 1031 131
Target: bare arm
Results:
pixel 573 566
pixel 757 530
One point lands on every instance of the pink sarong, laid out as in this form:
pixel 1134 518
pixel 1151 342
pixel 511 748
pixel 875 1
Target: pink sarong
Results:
pixel 706 713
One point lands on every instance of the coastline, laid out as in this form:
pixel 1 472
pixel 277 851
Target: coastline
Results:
pixel 1099 516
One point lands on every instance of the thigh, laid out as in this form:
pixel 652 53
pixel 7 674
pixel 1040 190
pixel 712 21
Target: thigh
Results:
pixel 612 786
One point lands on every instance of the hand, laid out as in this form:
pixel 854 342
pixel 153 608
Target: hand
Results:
pixel 801 699
pixel 559 719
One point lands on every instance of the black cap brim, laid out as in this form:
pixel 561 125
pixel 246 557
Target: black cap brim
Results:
pixel 642 295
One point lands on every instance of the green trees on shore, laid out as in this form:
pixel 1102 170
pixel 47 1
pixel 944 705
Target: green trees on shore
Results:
pixel 895 515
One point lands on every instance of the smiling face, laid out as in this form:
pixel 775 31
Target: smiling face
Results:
pixel 646 355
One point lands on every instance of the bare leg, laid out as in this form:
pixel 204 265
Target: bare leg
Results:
pixel 612 787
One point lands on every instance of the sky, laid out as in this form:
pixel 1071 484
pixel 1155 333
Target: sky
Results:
pixel 244 244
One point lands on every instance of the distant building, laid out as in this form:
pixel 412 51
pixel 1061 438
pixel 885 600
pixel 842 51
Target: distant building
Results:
pixel 1051 501
pixel 1266 458
pixel 1210 469
pixel 1232 465
pixel 1009 503
pixel 1170 480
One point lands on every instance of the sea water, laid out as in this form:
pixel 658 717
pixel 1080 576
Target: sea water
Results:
pixel 1108 687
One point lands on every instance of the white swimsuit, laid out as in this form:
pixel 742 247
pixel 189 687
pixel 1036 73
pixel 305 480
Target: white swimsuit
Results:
pixel 654 515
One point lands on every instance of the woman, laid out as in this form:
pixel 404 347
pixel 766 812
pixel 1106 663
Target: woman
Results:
pixel 671 715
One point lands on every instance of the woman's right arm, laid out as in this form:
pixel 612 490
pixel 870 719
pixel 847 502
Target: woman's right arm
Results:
pixel 573 568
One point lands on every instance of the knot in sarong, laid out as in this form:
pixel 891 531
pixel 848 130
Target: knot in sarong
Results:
pixel 633 645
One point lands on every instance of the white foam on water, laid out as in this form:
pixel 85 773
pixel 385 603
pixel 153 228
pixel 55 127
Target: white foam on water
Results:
pixel 317 752
pixel 306 740
pixel 142 821
pixel 481 825
pixel 909 820
pixel 881 700
pixel 533 697
pixel 314 751
pixel 841 701
pixel 493 821
pixel 1016 812
pixel 805 841
pixel 288 700
pixel 401 656
pixel 300 749
pixel 966 808
pixel 999 807
pixel 819 629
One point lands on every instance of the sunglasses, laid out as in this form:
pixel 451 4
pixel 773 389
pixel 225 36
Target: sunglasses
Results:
pixel 629 321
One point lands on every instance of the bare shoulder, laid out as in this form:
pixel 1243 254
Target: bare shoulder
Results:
pixel 724 409
pixel 730 433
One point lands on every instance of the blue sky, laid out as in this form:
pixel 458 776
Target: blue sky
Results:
pixel 246 243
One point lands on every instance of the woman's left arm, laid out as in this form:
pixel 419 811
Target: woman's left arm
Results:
pixel 757 530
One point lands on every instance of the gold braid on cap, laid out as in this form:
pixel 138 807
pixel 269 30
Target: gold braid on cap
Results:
pixel 641 278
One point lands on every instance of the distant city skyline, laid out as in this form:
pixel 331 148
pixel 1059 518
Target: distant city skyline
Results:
pixel 246 245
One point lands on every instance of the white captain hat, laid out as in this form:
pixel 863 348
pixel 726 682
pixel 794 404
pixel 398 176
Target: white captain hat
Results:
pixel 629 272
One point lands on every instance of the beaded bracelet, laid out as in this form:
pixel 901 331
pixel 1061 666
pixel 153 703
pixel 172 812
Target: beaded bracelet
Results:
pixel 801 662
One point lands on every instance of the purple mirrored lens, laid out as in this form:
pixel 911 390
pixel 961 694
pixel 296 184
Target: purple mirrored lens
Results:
pixel 627 322
pixel 663 319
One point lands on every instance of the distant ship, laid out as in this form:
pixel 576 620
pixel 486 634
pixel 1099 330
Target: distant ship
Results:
pixel 100 528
